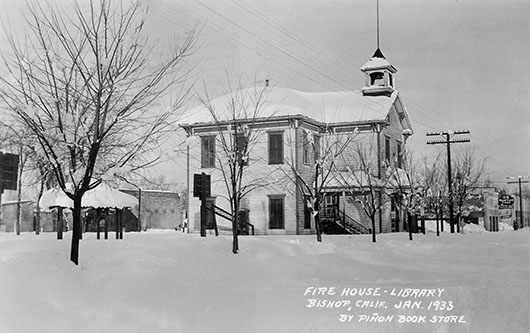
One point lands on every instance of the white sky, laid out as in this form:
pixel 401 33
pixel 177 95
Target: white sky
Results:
pixel 461 64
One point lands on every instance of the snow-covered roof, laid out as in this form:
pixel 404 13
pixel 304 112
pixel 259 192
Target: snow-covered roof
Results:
pixel 326 107
pixel 376 63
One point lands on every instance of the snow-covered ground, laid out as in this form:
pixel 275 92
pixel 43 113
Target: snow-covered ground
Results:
pixel 167 281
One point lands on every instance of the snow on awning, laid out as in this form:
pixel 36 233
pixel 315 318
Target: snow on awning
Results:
pixel 55 198
pixel 102 196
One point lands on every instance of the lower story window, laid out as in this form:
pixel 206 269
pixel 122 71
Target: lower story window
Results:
pixel 276 212
pixel 307 212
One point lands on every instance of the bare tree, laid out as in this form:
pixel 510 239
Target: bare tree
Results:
pixel 32 168
pixel 85 85
pixel 469 170
pixel 434 183
pixel 363 182
pixel 236 125
pixel 321 152
pixel 405 185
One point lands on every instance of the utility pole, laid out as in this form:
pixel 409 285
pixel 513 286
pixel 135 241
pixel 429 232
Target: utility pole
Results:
pixel 448 140
pixel 520 181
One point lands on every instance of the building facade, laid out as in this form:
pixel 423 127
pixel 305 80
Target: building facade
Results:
pixel 347 140
pixel 9 216
pixel 158 210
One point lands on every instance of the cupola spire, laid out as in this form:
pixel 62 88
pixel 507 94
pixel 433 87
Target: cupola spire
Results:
pixel 379 79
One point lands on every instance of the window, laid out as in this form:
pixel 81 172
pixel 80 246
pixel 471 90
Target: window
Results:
pixel 276 148
pixel 208 152
pixel 317 147
pixel 399 155
pixel 306 147
pixel 387 149
pixel 307 213
pixel 276 212
pixel 242 149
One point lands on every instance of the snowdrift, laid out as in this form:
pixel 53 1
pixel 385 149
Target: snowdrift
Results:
pixel 168 281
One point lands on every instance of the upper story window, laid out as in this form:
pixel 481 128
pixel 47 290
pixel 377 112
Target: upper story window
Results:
pixel 399 153
pixel 316 141
pixel 306 148
pixel 208 152
pixel 387 149
pixel 275 147
pixel 242 149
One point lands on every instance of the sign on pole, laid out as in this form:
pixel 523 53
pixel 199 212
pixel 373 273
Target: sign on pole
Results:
pixel 201 185
pixel 8 171
pixel 506 201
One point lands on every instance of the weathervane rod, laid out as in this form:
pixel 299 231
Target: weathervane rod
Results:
pixel 377 23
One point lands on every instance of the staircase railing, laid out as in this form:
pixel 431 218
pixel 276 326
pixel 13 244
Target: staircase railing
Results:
pixel 228 216
pixel 351 224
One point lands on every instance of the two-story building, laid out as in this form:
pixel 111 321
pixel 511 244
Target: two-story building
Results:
pixel 282 121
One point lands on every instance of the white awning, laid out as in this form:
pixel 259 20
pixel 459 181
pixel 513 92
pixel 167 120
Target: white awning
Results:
pixel 103 196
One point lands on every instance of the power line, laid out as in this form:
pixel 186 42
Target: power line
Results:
pixel 421 118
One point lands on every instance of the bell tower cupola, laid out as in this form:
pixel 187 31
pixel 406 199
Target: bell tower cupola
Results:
pixel 379 76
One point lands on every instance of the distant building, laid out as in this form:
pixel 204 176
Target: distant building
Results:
pixel 159 209
pixel 286 119
pixel 9 216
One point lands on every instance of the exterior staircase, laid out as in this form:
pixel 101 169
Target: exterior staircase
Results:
pixel 341 223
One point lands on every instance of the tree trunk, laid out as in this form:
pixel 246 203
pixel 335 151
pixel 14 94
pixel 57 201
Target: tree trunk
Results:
pixel 37 221
pixel 373 229
pixel 59 223
pixel 74 252
pixel 318 227
pixel 81 226
pixel 409 224
pixel 38 215
pixel 235 228
pixel 19 191
pixel 441 220
pixel 437 224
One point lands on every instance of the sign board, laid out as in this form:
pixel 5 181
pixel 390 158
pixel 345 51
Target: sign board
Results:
pixel 505 213
pixel 8 171
pixel 505 201
pixel 201 182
